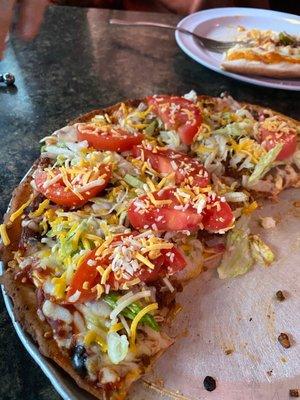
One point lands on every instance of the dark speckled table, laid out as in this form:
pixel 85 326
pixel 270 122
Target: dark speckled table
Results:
pixel 78 63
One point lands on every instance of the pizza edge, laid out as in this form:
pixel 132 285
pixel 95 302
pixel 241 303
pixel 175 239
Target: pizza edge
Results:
pixel 276 70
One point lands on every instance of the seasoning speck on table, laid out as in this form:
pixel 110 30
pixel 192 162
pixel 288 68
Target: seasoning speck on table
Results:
pixel 209 383
pixel 280 296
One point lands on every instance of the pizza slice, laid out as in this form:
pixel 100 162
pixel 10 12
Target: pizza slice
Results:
pixel 265 53
pixel 255 147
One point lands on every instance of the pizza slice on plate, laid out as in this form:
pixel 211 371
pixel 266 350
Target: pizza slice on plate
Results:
pixel 266 53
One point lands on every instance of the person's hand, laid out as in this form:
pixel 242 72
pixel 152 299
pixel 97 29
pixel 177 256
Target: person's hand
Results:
pixel 30 18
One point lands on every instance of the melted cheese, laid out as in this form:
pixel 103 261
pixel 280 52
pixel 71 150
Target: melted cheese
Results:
pixel 93 337
pixel 60 286
pixel 266 58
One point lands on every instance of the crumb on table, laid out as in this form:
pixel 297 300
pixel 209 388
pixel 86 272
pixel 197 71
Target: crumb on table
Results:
pixel 280 296
pixel 294 393
pixel 284 340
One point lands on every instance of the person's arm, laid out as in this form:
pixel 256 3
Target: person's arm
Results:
pixel 190 6
pixel 30 18
pixel 183 6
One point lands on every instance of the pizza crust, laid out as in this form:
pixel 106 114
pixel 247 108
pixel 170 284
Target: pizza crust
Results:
pixel 279 70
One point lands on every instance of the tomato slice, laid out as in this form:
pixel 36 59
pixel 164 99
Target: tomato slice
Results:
pixel 173 216
pixel 84 273
pixel 165 161
pixel 179 114
pixel 62 195
pixel 113 139
pixel 271 139
pixel 217 215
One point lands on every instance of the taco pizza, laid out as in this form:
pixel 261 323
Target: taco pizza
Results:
pixel 124 206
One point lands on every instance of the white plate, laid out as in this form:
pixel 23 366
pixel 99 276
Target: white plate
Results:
pixel 221 24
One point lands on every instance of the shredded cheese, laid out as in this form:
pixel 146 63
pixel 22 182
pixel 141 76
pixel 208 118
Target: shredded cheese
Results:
pixel 125 324
pixel 103 246
pixel 248 209
pixel 137 318
pixel 100 291
pixel 158 203
pixel 4 235
pixel 20 210
pixel 105 274
pixel 40 210
pixel 116 327
pixel 168 284
pixel 144 260
pixel 123 304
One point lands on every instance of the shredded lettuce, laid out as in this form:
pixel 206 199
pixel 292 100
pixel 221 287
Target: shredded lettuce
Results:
pixel 192 96
pixel 260 251
pixel 117 347
pixel 265 163
pixel 243 251
pixel 286 40
pixel 151 127
pixel 237 259
pixel 133 181
pixel 243 128
pixel 170 138
pixel 236 197
pixel 131 311
pixel 59 149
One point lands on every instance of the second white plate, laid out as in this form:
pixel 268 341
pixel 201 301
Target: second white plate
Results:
pixel 221 24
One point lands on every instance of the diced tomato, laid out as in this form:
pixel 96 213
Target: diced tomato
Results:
pixel 217 215
pixel 169 262
pixel 62 195
pixel 165 161
pixel 113 139
pixel 174 216
pixel 84 273
pixel 179 114
pixel 271 139
pixel 163 266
